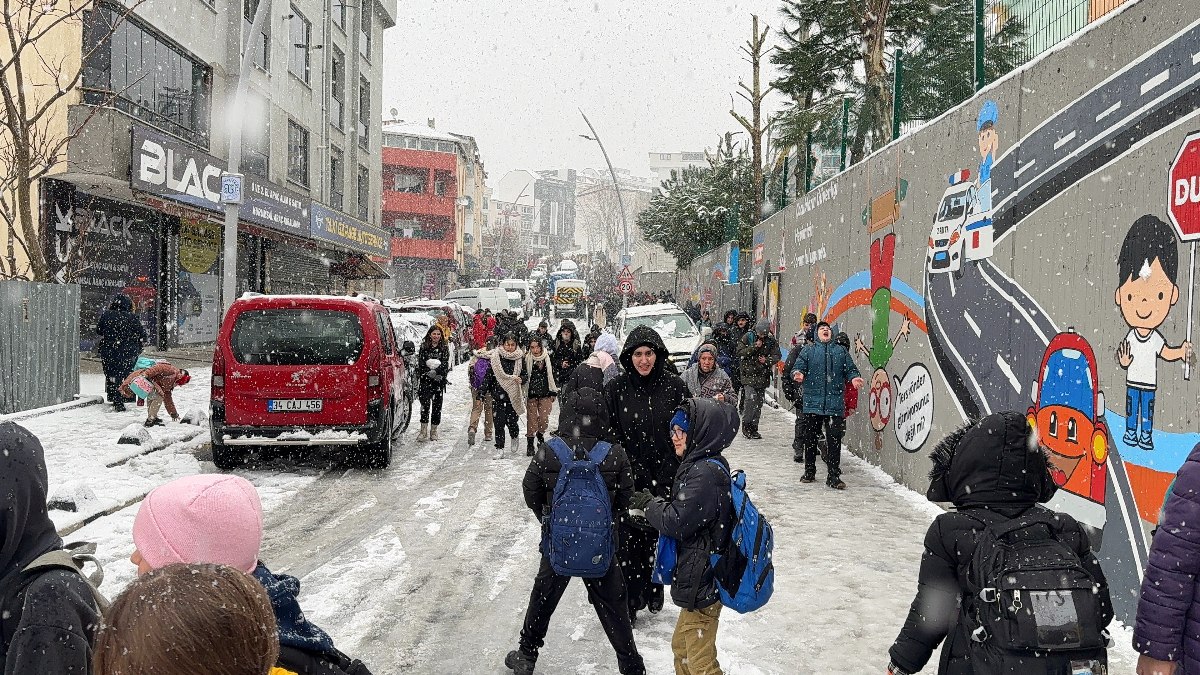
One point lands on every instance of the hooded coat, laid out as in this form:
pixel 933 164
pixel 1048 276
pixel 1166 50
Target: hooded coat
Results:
pixel 304 648
pixel 121 332
pixel 640 410
pixel 755 373
pixel 47 618
pixel 699 515
pixel 1168 613
pixel 566 351
pixel 827 368
pixel 987 470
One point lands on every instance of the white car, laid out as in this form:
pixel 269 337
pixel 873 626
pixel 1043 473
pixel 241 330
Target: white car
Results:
pixel 678 332
pixel 961 231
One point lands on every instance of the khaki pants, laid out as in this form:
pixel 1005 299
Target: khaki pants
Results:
pixel 695 641
pixel 539 415
pixel 153 404
pixel 482 406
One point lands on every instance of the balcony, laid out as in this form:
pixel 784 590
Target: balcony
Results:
pixel 425 204
pixel 431 249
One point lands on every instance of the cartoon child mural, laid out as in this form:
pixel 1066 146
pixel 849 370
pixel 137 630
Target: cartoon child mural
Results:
pixel 883 255
pixel 1146 269
pixel 989 145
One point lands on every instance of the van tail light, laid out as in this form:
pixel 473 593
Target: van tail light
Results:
pixel 218 375
pixel 374 377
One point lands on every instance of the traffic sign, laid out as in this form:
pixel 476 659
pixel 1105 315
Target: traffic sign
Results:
pixel 625 275
pixel 1183 198
pixel 626 259
pixel 625 287
pixel 231 188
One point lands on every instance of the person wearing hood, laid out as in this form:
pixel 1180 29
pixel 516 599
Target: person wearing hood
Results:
pixel 506 382
pixel 433 366
pixel 730 319
pixel 217 519
pixel 742 327
pixel 589 341
pixel 823 369
pixel 641 402
pixel 757 355
pixel 543 333
pixel 481 400
pixel 992 471
pixel 541 392
pixel 699 517
pixel 706 379
pixel 597 371
pixel 122 337
pixel 48 616
pixel 583 422
pixel 567 351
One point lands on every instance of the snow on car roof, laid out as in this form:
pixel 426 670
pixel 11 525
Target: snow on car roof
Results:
pixel 651 310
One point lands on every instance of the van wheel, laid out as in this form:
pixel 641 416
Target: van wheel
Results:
pixel 225 457
pixel 406 414
pixel 379 454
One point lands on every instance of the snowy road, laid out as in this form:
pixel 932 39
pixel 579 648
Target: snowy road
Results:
pixel 426 567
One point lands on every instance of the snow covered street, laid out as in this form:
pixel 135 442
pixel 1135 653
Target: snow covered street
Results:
pixel 426 567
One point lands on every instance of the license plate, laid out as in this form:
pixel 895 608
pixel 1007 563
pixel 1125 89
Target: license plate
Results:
pixel 299 405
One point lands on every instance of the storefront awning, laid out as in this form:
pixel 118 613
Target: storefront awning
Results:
pixel 100 185
pixel 354 267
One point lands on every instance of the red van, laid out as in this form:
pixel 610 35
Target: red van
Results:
pixel 308 371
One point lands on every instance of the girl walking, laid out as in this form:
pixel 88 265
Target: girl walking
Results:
pixel 506 382
pixel 433 364
pixel 542 390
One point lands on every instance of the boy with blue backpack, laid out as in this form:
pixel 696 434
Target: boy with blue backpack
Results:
pixel 575 484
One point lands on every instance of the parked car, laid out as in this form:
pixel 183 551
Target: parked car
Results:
pixel 434 309
pixel 678 332
pixel 517 305
pixel 308 371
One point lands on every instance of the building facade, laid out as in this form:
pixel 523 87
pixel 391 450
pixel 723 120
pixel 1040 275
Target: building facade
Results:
pixel 542 204
pixel 136 206
pixel 600 227
pixel 663 163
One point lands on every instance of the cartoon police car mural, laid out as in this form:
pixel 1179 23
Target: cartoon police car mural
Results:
pixel 960 228
pixel 1068 413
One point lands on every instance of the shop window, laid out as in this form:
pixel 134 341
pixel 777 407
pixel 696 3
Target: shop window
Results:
pixel 260 51
pixel 409 180
pixel 364 193
pixel 300 33
pixel 132 68
pixel 297 154
pixel 337 90
pixel 337 179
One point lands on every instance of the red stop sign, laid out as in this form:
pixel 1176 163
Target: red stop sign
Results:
pixel 1183 193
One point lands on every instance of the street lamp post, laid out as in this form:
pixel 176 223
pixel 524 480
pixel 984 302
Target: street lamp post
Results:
pixel 620 203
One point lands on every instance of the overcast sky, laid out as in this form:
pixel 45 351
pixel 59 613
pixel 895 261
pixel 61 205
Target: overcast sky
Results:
pixel 651 75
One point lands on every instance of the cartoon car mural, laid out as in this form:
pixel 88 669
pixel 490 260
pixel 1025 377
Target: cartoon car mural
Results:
pixel 1068 413
pixel 960 229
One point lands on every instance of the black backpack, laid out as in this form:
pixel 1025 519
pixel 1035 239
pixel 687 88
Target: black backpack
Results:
pixel 1032 606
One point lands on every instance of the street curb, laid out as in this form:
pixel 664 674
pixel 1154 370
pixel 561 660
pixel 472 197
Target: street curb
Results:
pixel 79 402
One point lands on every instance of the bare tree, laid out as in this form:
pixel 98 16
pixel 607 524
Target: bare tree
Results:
pixel 755 49
pixel 37 79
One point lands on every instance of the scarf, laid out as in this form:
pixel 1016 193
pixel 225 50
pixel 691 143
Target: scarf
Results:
pixel 544 359
pixel 601 360
pixel 509 383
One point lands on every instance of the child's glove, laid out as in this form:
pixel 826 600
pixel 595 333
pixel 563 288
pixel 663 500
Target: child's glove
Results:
pixel 639 500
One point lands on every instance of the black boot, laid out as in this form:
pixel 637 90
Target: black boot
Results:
pixel 529 448
pixel 754 435
pixel 520 662
pixel 541 439
pixel 655 603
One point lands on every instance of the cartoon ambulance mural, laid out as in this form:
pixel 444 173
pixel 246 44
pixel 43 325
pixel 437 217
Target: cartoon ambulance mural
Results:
pixel 961 230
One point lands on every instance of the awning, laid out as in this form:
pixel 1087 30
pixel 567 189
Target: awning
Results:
pixel 100 185
pixel 356 266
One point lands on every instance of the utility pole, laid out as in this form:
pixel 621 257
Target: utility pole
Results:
pixel 229 259
pixel 755 95
pixel 620 202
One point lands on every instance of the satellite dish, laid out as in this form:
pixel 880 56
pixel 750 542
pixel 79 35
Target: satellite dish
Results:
pixel 393 112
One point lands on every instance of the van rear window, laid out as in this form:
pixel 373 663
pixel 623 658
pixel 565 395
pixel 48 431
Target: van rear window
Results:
pixel 297 337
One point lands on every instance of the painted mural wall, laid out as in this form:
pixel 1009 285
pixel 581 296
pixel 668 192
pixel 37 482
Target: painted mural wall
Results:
pixel 1027 252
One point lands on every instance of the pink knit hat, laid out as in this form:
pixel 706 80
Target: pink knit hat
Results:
pixel 210 518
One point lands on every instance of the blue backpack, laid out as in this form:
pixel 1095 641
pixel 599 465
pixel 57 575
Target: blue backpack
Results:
pixel 745 573
pixel 580 539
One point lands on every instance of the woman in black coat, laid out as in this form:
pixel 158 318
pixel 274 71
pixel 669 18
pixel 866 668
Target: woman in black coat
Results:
pixel 433 364
pixel 122 337
pixel 567 352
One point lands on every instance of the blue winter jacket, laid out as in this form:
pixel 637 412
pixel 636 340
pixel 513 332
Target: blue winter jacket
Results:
pixel 827 367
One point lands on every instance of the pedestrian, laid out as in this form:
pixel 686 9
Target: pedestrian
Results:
pixel 705 379
pixel 586 425
pixel 446 323
pixel 541 392
pixel 122 337
pixel 217 519
pixel 730 319
pixel 481 399
pixel 996 475
pixel 850 393
pixel 596 371
pixel 567 351
pixel 742 327
pixel 48 615
pixel 792 390
pixel 1166 632
pixel 189 620
pixel 823 369
pixel 757 356
pixel 543 333
pixel 705 320
pixel 479 332
pixel 505 382
pixel 600 316
pixel 156 386
pixel 699 517
pixel 641 402
pixel 433 365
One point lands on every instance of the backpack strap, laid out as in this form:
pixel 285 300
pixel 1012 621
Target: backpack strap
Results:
pixel 600 452
pixel 561 450
pixel 73 557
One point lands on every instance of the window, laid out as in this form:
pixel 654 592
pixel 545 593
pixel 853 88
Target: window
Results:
pixel 261 49
pixel 409 180
pixel 364 193
pixel 300 33
pixel 364 113
pixel 337 179
pixel 297 154
pixel 665 156
pixel 132 68
pixel 439 184
pixel 256 136
pixel 296 337
pixel 337 90
pixel 693 156
pixel 337 12
pixel 364 27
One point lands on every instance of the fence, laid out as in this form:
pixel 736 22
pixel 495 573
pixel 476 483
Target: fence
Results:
pixel 39 344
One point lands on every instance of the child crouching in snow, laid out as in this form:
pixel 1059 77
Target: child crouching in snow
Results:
pixel 156 386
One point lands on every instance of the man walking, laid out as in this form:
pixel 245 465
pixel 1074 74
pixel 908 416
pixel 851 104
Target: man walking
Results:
pixel 757 353
pixel 792 389
pixel 824 368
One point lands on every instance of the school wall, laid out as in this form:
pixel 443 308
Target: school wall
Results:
pixel 1084 138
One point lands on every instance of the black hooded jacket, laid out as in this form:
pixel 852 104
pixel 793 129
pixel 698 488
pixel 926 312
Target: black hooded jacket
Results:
pixel 121 332
pixel 640 410
pixel 47 618
pixel 699 515
pixel 990 472
pixel 568 352
pixel 583 422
